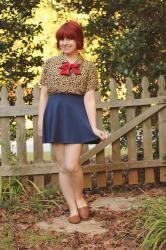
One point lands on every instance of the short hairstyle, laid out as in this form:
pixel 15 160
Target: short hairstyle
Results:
pixel 71 30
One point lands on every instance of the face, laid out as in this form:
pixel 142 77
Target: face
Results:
pixel 67 45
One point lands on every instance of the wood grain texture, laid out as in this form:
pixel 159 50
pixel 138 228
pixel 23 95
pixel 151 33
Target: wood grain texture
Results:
pixel 147 135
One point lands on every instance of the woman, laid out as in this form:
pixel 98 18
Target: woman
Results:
pixel 67 113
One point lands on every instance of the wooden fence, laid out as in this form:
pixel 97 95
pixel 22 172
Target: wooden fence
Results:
pixel 94 162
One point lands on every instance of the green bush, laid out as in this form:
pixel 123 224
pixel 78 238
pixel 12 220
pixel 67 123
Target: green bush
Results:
pixel 154 223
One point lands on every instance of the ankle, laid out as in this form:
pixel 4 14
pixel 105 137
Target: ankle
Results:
pixel 81 202
pixel 73 212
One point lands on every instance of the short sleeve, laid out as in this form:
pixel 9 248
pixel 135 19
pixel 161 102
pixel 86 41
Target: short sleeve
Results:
pixel 93 82
pixel 43 74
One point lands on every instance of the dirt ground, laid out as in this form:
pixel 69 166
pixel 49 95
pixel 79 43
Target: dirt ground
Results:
pixel 18 231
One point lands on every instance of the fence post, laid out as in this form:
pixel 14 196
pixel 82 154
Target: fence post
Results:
pixel 87 176
pixel 100 157
pixel 162 129
pixel 5 129
pixel 147 135
pixel 20 128
pixel 21 133
pixel 115 125
pixel 131 136
pixel 37 140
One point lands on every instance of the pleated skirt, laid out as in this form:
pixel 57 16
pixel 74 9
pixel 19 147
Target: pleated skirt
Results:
pixel 65 120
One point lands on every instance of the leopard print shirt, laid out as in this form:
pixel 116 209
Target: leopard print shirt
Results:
pixel 76 84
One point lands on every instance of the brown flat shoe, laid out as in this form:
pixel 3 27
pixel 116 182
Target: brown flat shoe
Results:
pixel 84 212
pixel 74 219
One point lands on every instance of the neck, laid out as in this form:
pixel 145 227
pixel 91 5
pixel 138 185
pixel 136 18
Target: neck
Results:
pixel 72 57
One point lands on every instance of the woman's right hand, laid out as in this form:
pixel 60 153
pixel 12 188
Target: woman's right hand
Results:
pixel 100 133
pixel 41 108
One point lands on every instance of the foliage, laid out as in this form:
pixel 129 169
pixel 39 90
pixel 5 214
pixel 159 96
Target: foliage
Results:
pixel 34 239
pixel 13 192
pixel 130 36
pixel 11 187
pixel 19 53
pixel 126 38
pixel 28 238
pixel 154 222
pixel 7 237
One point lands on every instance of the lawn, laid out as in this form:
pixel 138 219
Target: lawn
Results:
pixel 47 155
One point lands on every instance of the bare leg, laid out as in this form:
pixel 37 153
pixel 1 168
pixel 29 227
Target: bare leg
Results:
pixel 72 164
pixel 65 179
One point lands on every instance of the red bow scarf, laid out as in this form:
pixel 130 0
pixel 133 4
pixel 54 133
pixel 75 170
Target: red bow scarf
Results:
pixel 66 68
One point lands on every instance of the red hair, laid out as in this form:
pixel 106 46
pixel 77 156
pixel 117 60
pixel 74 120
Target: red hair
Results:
pixel 71 30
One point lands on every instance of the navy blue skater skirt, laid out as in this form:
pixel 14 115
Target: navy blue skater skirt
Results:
pixel 65 120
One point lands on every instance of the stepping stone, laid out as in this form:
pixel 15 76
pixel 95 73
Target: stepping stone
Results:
pixel 114 203
pixel 61 224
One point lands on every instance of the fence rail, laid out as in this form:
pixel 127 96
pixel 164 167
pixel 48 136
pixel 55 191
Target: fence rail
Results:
pixel 139 117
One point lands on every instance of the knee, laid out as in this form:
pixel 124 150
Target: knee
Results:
pixel 72 167
pixel 62 168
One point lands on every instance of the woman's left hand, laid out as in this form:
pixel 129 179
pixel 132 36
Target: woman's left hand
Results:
pixel 99 133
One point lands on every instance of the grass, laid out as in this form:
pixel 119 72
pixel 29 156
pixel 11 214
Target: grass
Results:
pixel 28 239
pixel 47 155
pixel 15 197
pixel 34 238
pixel 15 202
pixel 153 222
pixel 7 237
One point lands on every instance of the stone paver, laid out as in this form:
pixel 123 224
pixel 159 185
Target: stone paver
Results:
pixel 61 224
pixel 114 203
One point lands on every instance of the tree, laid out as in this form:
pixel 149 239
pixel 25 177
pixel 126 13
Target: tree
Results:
pixel 19 53
pixel 130 34
pixel 131 41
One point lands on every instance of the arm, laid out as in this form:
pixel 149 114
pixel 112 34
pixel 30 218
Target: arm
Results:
pixel 90 101
pixel 43 98
pixel 90 106
pixel 41 108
